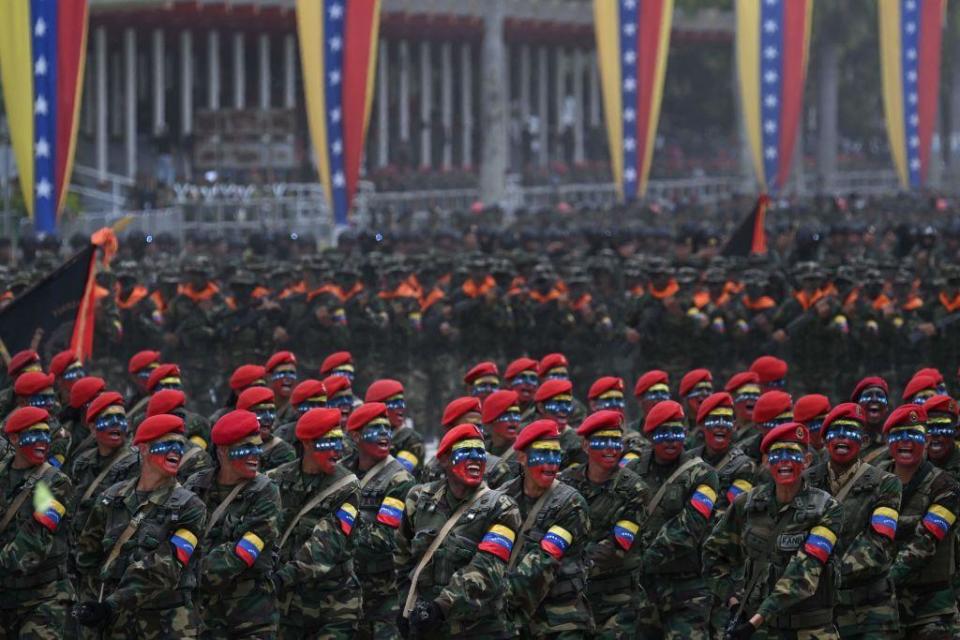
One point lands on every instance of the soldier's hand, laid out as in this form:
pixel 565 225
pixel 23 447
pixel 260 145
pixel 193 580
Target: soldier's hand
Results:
pixel 742 631
pixel 92 613
pixel 426 616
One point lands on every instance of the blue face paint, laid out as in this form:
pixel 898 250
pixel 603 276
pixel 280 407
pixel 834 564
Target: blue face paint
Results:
pixel 558 407
pixel 266 417
pixel 42 400
pixel 746 397
pixel 166 446
pixel 776 422
pixel 601 443
pixel 669 434
pixel 375 433
pixel 718 422
pixel 556 376
pixel 777 384
pixel 784 455
pixel 111 421
pixel 283 375
pixel 945 431
pixel 484 389
pixel 245 451
pixel 34 436
pixel 544 457
pixel 328 444
pixel 168 385
pixel 469 453
pixel 510 416
pixel 656 396
pixel 907 435
pixel 848 433
pixel 525 379
pixel 873 396
pixel 307 405
pixel 74 374
pixel 615 404
pixel 343 372
pixel 340 402
pixel 815 425
pixel 396 405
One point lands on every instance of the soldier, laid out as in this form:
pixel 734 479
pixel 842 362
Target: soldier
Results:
pixel 315 582
pixel 22 362
pixel 273 450
pixel 606 394
pixel 810 411
pixel 942 433
pixel 171 402
pixel 771 372
pixel 501 422
pixel 872 394
pixel 244 377
pixel 281 370
pixel 772 409
pixel 309 394
pixel 35 389
pixel 456 587
pixel 138 541
pixel 235 589
pixel 555 366
pixel 744 388
pixel 464 410
pixel 66 369
pixel 546 573
pixel 339 363
pixel 782 534
pixel 616 497
pixel 140 366
pixel 652 387
pixel 482 380
pixel 34 498
pixel 925 565
pixel 340 395
pixel 695 386
pixel 163 377
pixel 554 401
pixel 73 416
pixel 919 389
pixel 407 443
pixel 865 548
pixel 521 376
pixel 384 484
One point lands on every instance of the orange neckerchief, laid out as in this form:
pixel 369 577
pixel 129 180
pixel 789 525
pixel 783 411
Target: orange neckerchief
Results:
pixel 205 294
pixel 472 290
pixel 880 302
pixel 435 295
pixel 760 304
pixel 260 292
pixel 670 290
pixel 912 303
pixel 733 287
pixel 99 293
pixel 582 302
pixel 292 290
pixel 159 301
pixel 138 294
pixel 540 298
pixel 347 295
pixel 332 289
pixel 414 283
pixel 950 305
pixel 702 299
pixel 636 291
pixel 403 290
pixel 805 301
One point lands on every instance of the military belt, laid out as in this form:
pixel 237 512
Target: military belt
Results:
pixel 803 620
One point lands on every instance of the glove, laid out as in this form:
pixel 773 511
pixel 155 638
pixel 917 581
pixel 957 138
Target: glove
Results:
pixel 742 631
pixel 426 616
pixel 93 614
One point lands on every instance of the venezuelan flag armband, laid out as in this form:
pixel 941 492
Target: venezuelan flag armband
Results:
pixel 884 522
pixel 938 521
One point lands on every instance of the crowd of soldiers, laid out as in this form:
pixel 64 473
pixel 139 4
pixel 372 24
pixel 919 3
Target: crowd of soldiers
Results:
pixel 304 508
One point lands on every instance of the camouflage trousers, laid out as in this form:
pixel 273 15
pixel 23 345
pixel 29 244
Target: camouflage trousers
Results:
pixel 681 608
pixel 927 614
pixel 42 620
pixel 380 607
pixel 828 632
pixel 322 616
pixel 165 624
pixel 617 609
pixel 246 610
pixel 877 619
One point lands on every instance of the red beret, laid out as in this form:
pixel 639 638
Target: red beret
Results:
pixel 32 382
pixel 245 375
pixel 307 389
pixel 551 361
pixel 917 384
pixel 21 360
pixel 158 426
pixel 336 384
pixel 101 402
pixel 335 360
pixel 866 383
pixel 496 403
pixel 480 370
pixel 933 372
pixel 666 411
pixel 713 401
pixel 518 366
pixel 142 359
pixel 809 407
pixel 60 362
pixel 253 396
pixel 943 404
pixel 693 378
pixel 279 358
pixel 234 426
pixel 458 408
pixel 25 417
pixel 383 389
pixel 789 432
pixel 85 389
pixel 769 368
pixel 738 380
pixel 161 372
pixel 648 379
pixel 552 388
pixel 536 430
pixel 604 419
pixel 843 411
pixel 316 422
pixel 364 414
pixel 770 405
pixel 165 401
pixel 906 415
pixel 455 435
pixel 603 385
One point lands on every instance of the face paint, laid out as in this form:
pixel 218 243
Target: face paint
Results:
pixel 396 410
pixel 74 373
pixel 469 461
pixel 718 429
pixel 244 458
pixel 316 402
pixel 282 380
pixel 653 395
pixel 557 373
pixel 165 455
pixel 484 386
pixel 558 408
pixel 696 397
pixel 844 441
pixel 266 415
pixel 921 397
pixel 169 383
pixel 42 400
pixel 668 440
pixel 346 371
pixel 507 425
pixel 814 426
pixel 34 443
pixel 875 404
pixel 942 388
pixel 376 437
pixel 327 450
pixel 342 402
pixel 110 427
pixel 776 384
pixel 941 433
pixel 786 462
pixel 543 461
pixel 525 384
pixel 783 418
pixel 611 401
pixel 605 448
pixel 907 445
pixel 744 399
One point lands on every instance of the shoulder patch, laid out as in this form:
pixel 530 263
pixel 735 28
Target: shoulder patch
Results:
pixel 184 543
pixel 627 458
pixel 624 533
pixel 556 541
pixel 884 522
pixel 498 541
pixel 249 547
pixel 408 460
pixel 820 543
pixel 938 521
pixel 347 515
pixel 738 488
pixel 391 512
pixel 703 500
pixel 51 514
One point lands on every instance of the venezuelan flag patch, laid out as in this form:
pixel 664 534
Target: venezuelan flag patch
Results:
pixel 249 547
pixel 184 542
pixel 56 460
pixel 820 543
pixel 391 512
pixel 884 521
pixel 408 460
pixel 200 442
pixel 51 515
pixel 556 541
pixel 627 458
pixel 624 532
pixel 347 515
pixel 938 521
pixel 498 541
pixel 703 499
pixel 739 487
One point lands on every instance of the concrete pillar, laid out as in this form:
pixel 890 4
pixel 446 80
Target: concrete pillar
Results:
pixel 493 166
pixel 263 51
pixel 88 113
pixel 595 118
pixel 115 92
pixel 289 72
pixel 159 82
pixel 446 88
pixel 828 81
pixel 404 47
pixel 214 72
pixel 578 147
pixel 466 104
pixel 559 90
pixel 383 104
pixel 130 95
pixel 100 42
pixel 239 72
pixel 543 111
pixel 524 82
pixel 426 104
pixel 186 82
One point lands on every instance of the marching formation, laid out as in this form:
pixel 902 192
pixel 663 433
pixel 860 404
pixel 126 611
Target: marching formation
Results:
pixel 305 509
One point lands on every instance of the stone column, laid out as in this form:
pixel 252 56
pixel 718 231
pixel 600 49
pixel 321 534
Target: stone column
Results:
pixel 543 110
pixel 239 72
pixel 426 104
pixel 493 166
pixel 466 104
pixel 263 51
pixel 383 104
pixel 404 47
pixel 213 70
pixel 446 70
pixel 100 42
pixel 186 82
pixel 578 146
pixel 289 72
pixel 130 98
pixel 159 82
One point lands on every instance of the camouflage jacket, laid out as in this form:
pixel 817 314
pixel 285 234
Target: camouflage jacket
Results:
pixel 276 452
pixel 736 474
pixel 952 463
pixel 504 470
pixel 408 449
pixel 85 469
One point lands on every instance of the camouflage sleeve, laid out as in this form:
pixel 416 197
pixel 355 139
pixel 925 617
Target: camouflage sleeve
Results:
pixel 33 541
pixel 283 455
pixel 158 570
pixel 536 570
pixel 934 529
pixel 89 553
pixel 481 580
pixel 381 536
pixel 329 544
pixel 617 550
pixel 403 556
pixel 722 555
pixel 802 575
pixel 684 532
pixel 872 551
pixel 225 562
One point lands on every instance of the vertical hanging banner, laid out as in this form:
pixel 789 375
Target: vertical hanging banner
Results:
pixel 633 40
pixel 43 48
pixel 773 41
pixel 338 53
pixel 910 36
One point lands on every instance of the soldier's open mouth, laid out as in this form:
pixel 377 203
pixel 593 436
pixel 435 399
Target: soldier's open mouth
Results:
pixel 40 450
pixel 511 431
pixel 936 446
pixel 252 464
pixel 905 452
pixel 172 458
pixel 474 470
pixel 841 448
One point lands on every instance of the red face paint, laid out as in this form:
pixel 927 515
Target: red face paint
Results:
pixel 34 443
pixel 786 463
pixel 507 426
pixel 165 455
pixel 396 410
pixel 907 445
pixel 468 462
pixel 543 462
pixel 605 449
pixel 376 438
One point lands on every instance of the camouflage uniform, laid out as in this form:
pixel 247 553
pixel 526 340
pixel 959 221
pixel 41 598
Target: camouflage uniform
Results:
pixel 408 442
pixel 736 474
pixel 276 452
pixel 465 581
pixel 546 596
pixel 235 599
pixel 33 560
pixel 319 592
pixel 85 469
pixel 150 583
pixel 617 512
pixel 505 469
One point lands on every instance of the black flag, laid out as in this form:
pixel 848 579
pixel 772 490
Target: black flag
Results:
pixel 751 236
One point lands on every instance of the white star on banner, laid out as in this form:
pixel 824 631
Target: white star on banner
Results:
pixel 629 144
pixel 630 56
pixel 40 106
pixel 40 29
pixel 770 100
pixel 911 76
pixel 40 66
pixel 629 175
pixel 914 141
pixel 770 153
pixel 770 26
pixel 770 53
pixel 915 164
pixel 912 98
pixel 44 188
pixel 337 147
pixel 336 11
pixel 629 115
pixel 914 119
pixel 630 4
pixel 336 43
pixel 335 115
pixel 42 148
pixel 334 77
pixel 770 126
pixel 910 27
pixel 629 85
pixel 911 53
pixel 338 179
pixel 629 29
pixel 770 77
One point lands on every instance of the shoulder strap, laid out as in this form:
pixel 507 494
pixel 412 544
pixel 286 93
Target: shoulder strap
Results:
pixel 127 533
pixel 375 470
pixel 845 489
pixel 658 496
pixel 432 549
pixel 32 479
pixel 528 523
pixel 508 455
pixel 314 501
pixel 191 453
pixel 222 507
pixel 141 403
pixel 873 455
pixel 120 455
pixel 274 441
